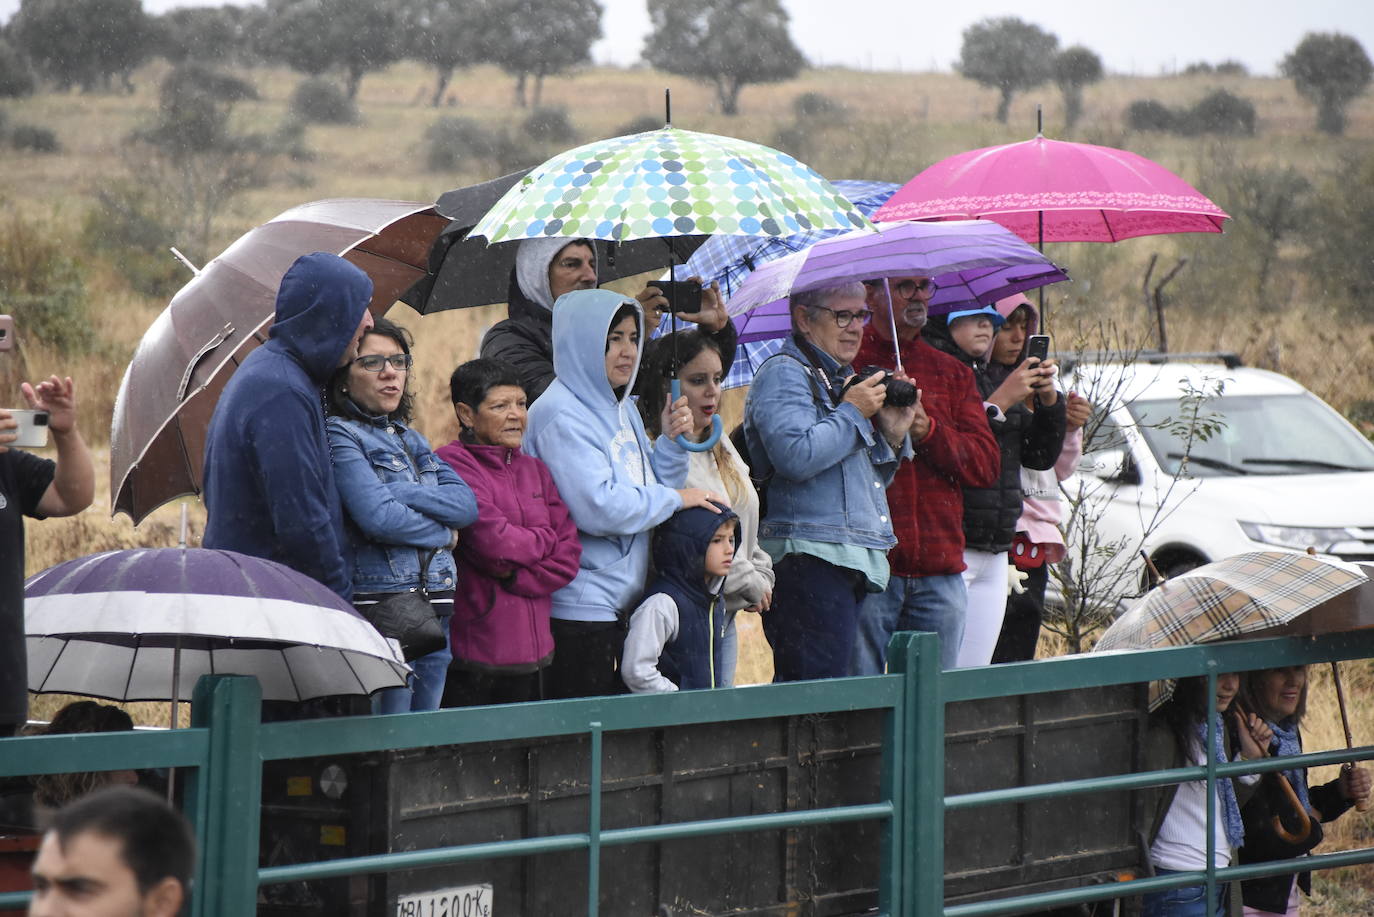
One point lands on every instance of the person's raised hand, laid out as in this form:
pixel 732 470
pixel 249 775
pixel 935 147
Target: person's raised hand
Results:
pixel 1077 411
pixel 706 499
pixel 1044 385
pixel 868 395
pixel 1254 734
pixel 676 419
pixel 710 313
pixel 920 420
pixel 895 423
pixel 9 429
pixel 1020 383
pixel 1355 782
pixel 654 304
pixel 58 398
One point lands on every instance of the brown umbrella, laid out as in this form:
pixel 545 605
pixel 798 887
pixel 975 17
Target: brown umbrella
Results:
pixel 188 354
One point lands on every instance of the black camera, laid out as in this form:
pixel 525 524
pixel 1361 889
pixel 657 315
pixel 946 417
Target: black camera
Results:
pixel 899 394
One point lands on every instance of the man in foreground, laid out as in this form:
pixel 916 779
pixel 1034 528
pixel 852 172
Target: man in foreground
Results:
pixel 119 852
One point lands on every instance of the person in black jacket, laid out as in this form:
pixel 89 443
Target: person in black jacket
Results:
pixel 545 269
pixel 1280 697
pixel 1030 436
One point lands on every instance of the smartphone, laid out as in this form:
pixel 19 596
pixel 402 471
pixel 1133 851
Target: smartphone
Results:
pixel 6 332
pixel 33 429
pixel 688 293
pixel 1038 346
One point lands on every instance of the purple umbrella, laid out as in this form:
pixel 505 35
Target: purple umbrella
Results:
pixel 137 624
pixel 973 262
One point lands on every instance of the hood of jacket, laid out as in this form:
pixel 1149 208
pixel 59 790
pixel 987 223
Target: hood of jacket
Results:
pixel 1005 307
pixel 680 546
pixel 581 321
pixel 532 266
pixel 319 305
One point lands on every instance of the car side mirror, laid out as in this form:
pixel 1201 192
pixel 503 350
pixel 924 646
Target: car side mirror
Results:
pixel 1114 465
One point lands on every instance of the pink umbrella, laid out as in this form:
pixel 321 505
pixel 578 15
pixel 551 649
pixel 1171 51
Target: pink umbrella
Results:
pixel 1056 191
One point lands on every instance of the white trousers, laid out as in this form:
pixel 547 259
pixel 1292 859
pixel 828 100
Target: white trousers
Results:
pixel 986 579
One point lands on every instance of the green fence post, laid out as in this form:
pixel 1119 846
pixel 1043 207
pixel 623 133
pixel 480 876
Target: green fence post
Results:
pixel 919 848
pixel 226 796
pixel 594 824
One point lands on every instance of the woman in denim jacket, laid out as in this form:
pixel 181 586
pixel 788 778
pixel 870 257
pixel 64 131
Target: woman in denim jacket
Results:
pixel 403 504
pixel 831 451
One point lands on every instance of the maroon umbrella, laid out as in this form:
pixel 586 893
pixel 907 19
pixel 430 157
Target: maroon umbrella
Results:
pixel 169 391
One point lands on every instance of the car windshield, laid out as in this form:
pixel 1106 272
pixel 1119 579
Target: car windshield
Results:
pixel 1277 434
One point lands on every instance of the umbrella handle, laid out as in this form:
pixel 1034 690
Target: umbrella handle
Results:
pixel 1306 820
pixel 709 442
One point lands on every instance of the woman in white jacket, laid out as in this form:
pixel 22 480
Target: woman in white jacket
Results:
pixel 749 587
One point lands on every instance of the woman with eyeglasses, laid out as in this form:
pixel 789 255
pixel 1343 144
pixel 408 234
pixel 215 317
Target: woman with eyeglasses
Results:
pixel 403 504
pixel 831 446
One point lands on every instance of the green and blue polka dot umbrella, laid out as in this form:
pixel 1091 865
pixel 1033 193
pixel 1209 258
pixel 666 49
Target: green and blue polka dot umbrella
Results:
pixel 668 183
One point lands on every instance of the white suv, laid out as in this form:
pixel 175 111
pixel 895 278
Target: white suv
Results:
pixel 1278 468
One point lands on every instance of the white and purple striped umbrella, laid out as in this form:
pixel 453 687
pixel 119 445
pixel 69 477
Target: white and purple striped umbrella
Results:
pixel 974 263
pixel 118 624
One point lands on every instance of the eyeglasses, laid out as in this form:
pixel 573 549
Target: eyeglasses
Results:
pixel 373 362
pixel 843 316
pixel 908 289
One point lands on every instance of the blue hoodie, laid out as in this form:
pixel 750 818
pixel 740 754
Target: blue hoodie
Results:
pixel 268 483
pixel 617 487
pixel 693 658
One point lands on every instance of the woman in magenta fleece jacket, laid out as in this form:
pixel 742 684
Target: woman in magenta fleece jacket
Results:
pixel 522 548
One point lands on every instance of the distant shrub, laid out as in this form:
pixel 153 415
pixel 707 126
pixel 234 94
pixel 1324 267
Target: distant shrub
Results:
pixel 1199 68
pixel 449 141
pixel 196 78
pixel 44 282
pixel 1232 68
pixel 319 101
pixel 549 124
pixel 131 227
pixel 639 125
pixel 818 105
pixel 289 139
pixel 16 77
pixel 1219 112
pixel 1149 115
pixel 794 140
pixel 34 139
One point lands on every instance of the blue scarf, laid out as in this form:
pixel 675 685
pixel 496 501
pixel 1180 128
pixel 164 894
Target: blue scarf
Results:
pixel 1230 810
pixel 1290 744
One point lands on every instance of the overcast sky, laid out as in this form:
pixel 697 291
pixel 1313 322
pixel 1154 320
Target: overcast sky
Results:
pixel 1141 38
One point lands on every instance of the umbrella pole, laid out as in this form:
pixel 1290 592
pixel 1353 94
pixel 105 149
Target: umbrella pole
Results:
pixel 176 681
pixel 892 323
pixel 1361 804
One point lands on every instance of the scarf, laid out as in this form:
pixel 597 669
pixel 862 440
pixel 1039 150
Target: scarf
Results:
pixel 1230 810
pixel 1290 744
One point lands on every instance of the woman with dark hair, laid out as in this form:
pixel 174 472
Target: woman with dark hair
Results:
pixel 521 550
pixel 618 485
pixel 1177 737
pixel 403 505
pixel 702 366
pixel 54 791
pixel 1280 697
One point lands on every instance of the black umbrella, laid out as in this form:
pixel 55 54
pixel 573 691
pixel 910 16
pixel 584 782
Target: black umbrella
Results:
pixel 467 272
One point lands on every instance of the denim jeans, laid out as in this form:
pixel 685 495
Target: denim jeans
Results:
pixel 812 622
pixel 425 686
pixel 925 603
pixel 1188 901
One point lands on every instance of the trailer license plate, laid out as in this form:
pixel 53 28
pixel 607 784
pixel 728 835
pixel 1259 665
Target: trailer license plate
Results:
pixel 467 901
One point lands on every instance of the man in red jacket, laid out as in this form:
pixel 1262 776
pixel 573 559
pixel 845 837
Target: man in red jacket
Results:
pixel 955 449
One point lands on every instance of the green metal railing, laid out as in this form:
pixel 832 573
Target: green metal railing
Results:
pixel 224 749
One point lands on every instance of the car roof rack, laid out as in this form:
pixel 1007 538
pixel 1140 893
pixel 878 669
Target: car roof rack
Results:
pixel 1069 360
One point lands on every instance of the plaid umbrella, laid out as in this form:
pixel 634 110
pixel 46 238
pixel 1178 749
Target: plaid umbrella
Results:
pixel 1225 599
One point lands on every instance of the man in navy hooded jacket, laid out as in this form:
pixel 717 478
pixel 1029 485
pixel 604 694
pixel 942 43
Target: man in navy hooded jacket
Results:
pixel 269 485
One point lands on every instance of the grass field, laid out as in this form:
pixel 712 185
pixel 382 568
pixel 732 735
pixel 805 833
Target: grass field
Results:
pixel 894 126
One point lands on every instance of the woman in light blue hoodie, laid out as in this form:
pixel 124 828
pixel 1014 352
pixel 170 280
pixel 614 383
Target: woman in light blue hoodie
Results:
pixel 617 485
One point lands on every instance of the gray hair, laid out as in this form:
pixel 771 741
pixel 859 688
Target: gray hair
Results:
pixel 812 300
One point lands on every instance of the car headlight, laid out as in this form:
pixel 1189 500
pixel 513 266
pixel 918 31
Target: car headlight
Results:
pixel 1287 536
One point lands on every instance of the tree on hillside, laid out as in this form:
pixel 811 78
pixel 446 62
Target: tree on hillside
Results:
pixel 315 36
pixel 539 38
pixel 446 35
pixel 204 33
pixel 728 43
pixel 85 43
pixel 1008 55
pixel 1075 68
pixel 16 76
pixel 1330 70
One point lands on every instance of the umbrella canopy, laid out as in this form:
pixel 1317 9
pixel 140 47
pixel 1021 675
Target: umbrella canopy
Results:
pixel 169 391
pixel 114 624
pixel 1056 191
pixel 668 183
pixel 973 263
pixel 465 271
pixel 1228 598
